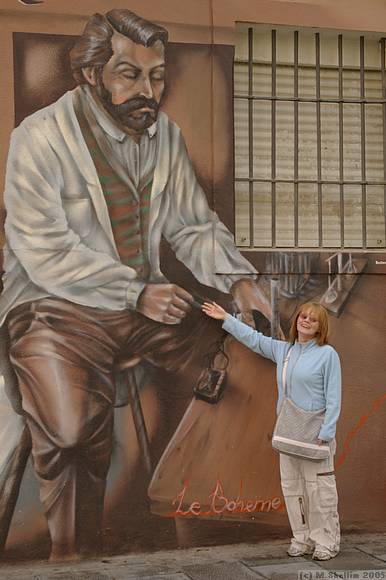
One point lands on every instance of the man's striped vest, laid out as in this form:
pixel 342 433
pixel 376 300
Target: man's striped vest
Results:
pixel 129 215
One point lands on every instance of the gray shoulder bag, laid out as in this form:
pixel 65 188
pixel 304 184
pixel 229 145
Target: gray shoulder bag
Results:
pixel 296 430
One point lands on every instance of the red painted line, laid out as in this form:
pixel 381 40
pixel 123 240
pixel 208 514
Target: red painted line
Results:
pixel 357 427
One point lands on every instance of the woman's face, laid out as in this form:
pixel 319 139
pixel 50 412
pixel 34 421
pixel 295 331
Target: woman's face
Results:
pixel 307 325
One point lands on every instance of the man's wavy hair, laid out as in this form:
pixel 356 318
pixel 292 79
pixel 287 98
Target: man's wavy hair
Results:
pixel 94 47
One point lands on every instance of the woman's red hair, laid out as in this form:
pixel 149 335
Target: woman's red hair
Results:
pixel 320 314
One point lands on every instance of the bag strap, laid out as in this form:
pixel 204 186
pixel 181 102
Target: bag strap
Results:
pixel 284 371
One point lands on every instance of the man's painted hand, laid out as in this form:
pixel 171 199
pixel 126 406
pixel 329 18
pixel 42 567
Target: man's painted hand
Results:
pixel 167 303
pixel 249 296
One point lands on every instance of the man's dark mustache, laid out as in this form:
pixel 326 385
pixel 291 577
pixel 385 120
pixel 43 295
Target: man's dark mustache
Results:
pixel 135 104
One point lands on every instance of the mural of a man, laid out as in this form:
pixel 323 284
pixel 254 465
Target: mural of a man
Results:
pixel 93 182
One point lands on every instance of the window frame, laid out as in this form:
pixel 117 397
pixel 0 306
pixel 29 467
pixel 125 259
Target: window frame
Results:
pixel 319 182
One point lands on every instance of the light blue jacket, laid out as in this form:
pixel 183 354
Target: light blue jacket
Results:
pixel 313 372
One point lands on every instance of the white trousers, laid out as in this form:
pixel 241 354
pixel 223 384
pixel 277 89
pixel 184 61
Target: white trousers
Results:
pixel 311 499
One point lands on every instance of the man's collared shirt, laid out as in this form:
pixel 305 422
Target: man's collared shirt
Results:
pixel 134 162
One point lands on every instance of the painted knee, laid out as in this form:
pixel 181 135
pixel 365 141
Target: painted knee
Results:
pixel 91 433
pixel 69 435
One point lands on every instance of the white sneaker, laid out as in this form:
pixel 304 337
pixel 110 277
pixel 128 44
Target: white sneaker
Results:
pixel 321 555
pixel 295 551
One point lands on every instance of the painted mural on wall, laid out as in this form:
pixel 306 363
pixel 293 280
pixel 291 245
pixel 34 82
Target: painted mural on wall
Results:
pixel 104 339
pixel 93 182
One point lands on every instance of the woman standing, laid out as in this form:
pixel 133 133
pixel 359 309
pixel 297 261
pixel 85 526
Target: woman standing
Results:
pixel 313 380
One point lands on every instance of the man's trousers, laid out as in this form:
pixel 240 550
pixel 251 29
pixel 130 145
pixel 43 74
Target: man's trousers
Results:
pixel 64 356
pixel 311 499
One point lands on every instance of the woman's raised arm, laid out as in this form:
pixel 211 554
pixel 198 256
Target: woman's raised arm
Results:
pixel 264 345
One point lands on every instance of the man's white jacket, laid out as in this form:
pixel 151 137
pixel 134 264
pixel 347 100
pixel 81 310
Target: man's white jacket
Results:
pixel 59 240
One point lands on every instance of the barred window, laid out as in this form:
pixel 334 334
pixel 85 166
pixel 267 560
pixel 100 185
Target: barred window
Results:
pixel 310 130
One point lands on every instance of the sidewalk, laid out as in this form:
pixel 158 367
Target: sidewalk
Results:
pixel 265 560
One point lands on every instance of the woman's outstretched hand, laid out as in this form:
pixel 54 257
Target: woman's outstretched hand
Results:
pixel 214 310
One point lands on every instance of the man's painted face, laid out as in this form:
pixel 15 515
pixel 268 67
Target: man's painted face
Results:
pixel 131 84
